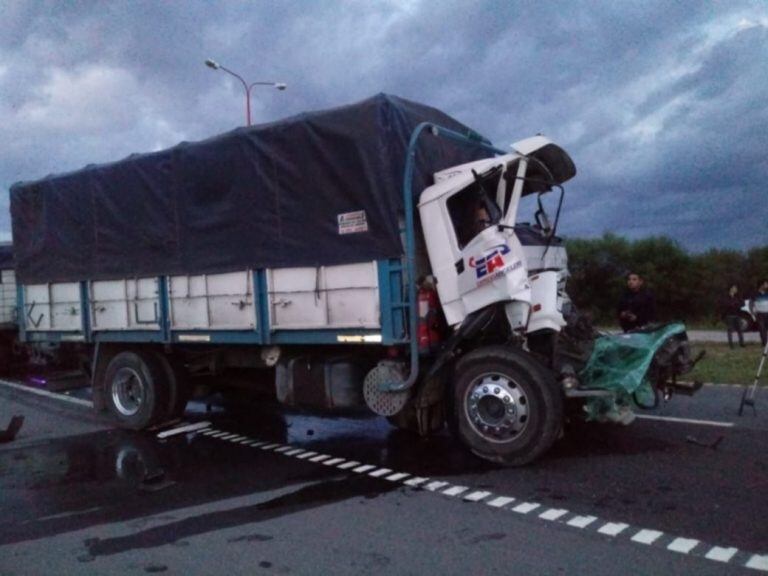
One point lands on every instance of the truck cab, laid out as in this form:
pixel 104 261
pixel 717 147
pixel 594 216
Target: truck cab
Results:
pixel 480 254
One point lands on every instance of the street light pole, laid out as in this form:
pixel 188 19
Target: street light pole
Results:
pixel 248 87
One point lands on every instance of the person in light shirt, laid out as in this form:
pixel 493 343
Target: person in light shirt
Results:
pixel 759 305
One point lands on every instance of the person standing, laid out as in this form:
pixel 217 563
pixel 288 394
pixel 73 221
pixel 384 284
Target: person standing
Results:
pixel 759 306
pixel 637 306
pixel 730 306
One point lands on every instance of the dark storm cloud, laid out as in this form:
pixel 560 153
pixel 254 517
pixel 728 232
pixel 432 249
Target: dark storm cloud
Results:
pixel 661 104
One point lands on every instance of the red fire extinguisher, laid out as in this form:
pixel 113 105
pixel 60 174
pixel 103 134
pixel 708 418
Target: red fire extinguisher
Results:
pixel 429 318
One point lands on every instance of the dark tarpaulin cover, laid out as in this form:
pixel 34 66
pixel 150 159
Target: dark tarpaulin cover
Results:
pixel 262 196
pixel 6 257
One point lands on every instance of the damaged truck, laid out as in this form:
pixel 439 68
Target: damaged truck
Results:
pixel 369 256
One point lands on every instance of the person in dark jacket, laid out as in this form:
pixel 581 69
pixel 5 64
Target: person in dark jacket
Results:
pixel 730 306
pixel 637 306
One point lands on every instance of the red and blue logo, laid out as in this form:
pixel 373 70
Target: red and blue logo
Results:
pixel 491 261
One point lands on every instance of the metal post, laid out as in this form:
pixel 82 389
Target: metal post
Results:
pixel 748 398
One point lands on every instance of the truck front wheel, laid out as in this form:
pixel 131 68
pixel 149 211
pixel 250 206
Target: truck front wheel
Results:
pixel 507 409
pixel 136 389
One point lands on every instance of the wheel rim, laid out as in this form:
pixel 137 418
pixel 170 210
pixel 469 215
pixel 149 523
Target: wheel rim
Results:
pixel 128 391
pixel 497 407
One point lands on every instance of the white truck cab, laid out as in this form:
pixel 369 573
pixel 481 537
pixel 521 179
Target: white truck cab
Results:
pixel 480 255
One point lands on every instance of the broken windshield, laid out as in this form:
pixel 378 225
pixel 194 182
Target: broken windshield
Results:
pixel 473 209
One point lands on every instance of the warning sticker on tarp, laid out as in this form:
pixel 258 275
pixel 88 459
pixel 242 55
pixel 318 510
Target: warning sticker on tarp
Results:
pixel 352 222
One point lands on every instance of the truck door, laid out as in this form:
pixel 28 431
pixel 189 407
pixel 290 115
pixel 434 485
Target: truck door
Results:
pixel 490 266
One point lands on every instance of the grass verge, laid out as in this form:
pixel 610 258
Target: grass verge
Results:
pixel 722 365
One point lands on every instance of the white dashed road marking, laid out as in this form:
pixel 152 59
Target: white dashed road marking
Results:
pixel 758 562
pixel 477 496
pixel 435 485
pixel 721 554
pixel 525 507
pixel 613 528
pixel 397 477
pixel 682 545
pixel 553 514
pixel 416 481
pixel 581 521
pixel 333 461
pixel 500 501
pixel 647 536
pixel 184 429
pixel 455 490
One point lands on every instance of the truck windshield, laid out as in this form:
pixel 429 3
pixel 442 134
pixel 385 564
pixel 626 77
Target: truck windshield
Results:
pixel 473 209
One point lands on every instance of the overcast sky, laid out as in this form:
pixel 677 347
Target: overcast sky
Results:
pixel 663 105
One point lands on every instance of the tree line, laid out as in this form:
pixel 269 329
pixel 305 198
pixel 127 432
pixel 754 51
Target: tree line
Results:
pixel 687 286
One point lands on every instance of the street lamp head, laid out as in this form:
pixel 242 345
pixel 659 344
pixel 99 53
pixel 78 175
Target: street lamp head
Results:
pixel 212 64
pixel 281 86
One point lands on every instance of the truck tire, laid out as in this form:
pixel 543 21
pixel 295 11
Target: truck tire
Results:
pixel 507 408
pixel 176 379
pixel 136 389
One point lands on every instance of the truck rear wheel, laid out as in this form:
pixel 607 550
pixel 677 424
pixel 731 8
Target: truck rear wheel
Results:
pixel 507 409
pixel 136 389
pixel 178 391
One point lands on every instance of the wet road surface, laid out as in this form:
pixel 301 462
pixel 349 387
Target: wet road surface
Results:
pixel 79 497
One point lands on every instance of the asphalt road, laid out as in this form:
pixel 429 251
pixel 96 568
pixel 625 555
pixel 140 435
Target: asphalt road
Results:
pixel 286 493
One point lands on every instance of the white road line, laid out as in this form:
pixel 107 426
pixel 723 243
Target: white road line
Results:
pixel 380 472
pixel 477 496
pixel 436 485
pixel 719 554
pixel 295 452
pixel 647 536
pixel 397 476
pixel 500 502
pixel 283 449
pixel 613 528
pixel 553 514
pixel 47 394
pixel 333 462
pixel 306 455
pixel 686 420
pixel 525 507
pixel 247 442
pixel 183 429
pixel 319 458
pixel 758 562
pixel 238 439
pixel 209 432
pixel 268 446
pixel 348 465
pixel 683 545
pixel 363 469
pixel 257 445
pixel 416 481
pixel 455 490
pixel 581 521
pixel 228 437
pixel 66 514
pixel 219 434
